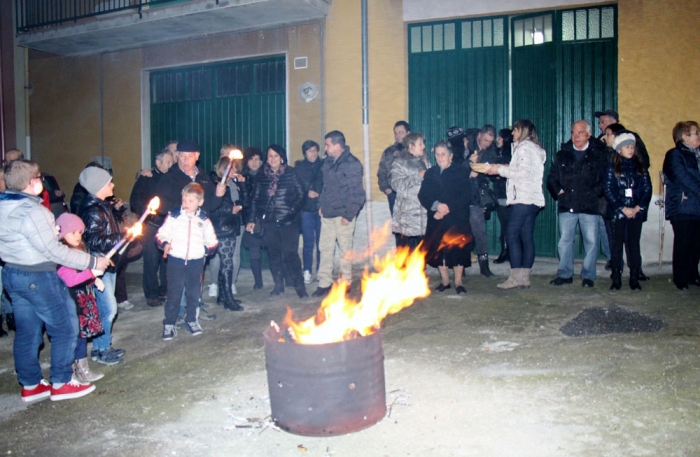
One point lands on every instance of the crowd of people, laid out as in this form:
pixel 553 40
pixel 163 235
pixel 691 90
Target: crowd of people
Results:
pixel 62 275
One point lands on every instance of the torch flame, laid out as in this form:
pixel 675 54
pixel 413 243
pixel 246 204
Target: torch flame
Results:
pixel 153 205
pixel 396 281
pixel 134 231
pixel 235 154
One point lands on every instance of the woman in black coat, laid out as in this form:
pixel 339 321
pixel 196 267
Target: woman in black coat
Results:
pixel 276 205
pixel 226 220
pixel 446 194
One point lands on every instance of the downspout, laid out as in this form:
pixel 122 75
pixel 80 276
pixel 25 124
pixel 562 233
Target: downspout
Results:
pixel 2 116
pixel 102 117
pixel 365 132
pixel 321 35
pixel 27 126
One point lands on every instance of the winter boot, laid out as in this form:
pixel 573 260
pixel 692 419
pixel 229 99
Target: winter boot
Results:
pixel 279 284
pixel 226 290
pixel 512 281
pixel 484 265
pixel 220 295
pixel 524 278
pixel 634 279
pixel 503 256
pixel 84 374
pixel 256 268
pixel 617 280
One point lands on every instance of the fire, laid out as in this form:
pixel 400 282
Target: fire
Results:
pixel 134 231
pixel 235 154
pixel 153 205
pixel 453 239
pixel 396 281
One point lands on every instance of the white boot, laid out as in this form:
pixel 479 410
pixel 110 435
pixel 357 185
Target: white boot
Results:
pixel 83 372
pixel 512 281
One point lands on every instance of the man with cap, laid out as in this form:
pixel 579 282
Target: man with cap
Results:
pixel 401 129
pixel 31 250
pixel 101 234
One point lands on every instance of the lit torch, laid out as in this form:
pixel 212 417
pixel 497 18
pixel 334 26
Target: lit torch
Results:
pixel 233 154
pixel 151 209
pixel 132 233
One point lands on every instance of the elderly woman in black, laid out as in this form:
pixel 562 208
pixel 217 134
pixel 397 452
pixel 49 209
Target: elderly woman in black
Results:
pixel 446 194
pixel 277 199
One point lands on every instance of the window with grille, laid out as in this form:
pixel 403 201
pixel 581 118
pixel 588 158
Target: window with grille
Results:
pixel 532 30
pixel 447 36
pixel 588 24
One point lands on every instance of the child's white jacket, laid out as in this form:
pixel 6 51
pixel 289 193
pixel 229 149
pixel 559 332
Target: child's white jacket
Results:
pixel 191 237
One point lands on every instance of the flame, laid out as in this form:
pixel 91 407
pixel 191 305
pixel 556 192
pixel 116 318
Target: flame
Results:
pixel 153 205
pixel 453 239
pixel 134 231
pixel 396 281
pixel 235 154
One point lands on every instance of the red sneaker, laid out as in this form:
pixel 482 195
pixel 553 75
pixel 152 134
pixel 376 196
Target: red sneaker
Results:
pixel 72 389
pixel 43 390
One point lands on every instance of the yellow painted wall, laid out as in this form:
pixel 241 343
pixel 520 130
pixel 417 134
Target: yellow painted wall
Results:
pixel 387 75
pixel 658 83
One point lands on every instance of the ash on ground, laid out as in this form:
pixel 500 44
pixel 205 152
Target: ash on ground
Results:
pixel 601 321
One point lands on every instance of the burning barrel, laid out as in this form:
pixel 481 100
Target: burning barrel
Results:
pixel 325 389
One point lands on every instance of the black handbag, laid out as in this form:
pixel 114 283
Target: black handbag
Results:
pixel 487 199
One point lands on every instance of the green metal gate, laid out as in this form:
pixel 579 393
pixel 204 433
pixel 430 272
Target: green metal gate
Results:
pixel 564 68
pixel 241 102
pixel 458 75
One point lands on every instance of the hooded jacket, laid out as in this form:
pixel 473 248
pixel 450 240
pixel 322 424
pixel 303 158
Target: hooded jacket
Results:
pixel 627 190
pixel 410 218
pixel 525 174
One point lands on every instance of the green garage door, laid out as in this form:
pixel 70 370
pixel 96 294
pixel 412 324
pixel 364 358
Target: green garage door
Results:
pixel 564 68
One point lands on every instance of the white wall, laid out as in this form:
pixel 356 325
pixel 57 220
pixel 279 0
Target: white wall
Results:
pixel 423 10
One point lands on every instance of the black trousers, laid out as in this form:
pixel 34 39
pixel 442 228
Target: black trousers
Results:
pixel 686 250
pixel 282 243
pixel 626 234
pixel 188 277
pixel 155 283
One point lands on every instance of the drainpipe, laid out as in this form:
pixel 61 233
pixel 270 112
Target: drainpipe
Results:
pixel 102 117
pixel 27 125
pixel 365 132
pixel 322 90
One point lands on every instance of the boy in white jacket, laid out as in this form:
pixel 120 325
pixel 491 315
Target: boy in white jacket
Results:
pixel 186 237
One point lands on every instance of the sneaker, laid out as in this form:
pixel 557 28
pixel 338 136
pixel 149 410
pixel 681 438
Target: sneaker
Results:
pixel 194 328
pixel 43 390
pixel 213 290
pixel 169 332
pixel 207 316
pixel 108 357
pixel 72 389
pixel 307 277
pixel 180 321
pixel 125 305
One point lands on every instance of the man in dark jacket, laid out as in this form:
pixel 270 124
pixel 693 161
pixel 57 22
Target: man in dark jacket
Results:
pixel 683 202
pixel 576 181
pixel 341 201
pixel 401 129
pixel 102 233
pixel 153 262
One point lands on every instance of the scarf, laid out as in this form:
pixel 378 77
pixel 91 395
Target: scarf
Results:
pixel 274 178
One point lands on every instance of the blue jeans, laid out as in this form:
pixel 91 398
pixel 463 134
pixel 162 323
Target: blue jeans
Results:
pixel 41 298
pixel 311 234
pixel 605 241
pixel 107 307
pixel 567 232
pixel 520 234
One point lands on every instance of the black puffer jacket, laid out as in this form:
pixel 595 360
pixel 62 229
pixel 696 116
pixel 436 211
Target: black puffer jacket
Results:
pixel 247 196
pixel 226 224
pixel 170 187
pixel 581 181
pixel 284 207
pixel 311 178
pixel 682 184
pixel 627 190
pixel 102 230
pixel 482 181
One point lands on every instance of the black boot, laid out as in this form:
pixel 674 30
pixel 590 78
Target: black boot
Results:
pixel 616 280
pixel 484 265
pixel 256 268
pixel 225 291
pixel 2 330
pixel 10 320
pixel 503 256
pixel 220 294
pixel 279 284
pixel 634 279
pixel 642 276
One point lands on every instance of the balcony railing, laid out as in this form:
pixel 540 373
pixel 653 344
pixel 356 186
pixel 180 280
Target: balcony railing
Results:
pixel 37 14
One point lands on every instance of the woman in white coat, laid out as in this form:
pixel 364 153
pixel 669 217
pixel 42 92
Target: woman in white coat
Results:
pixel 524 199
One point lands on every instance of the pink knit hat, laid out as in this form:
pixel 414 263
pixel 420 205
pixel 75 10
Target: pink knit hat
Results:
pixel 68 222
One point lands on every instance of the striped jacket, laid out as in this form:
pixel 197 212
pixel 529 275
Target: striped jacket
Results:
pixel 191 237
